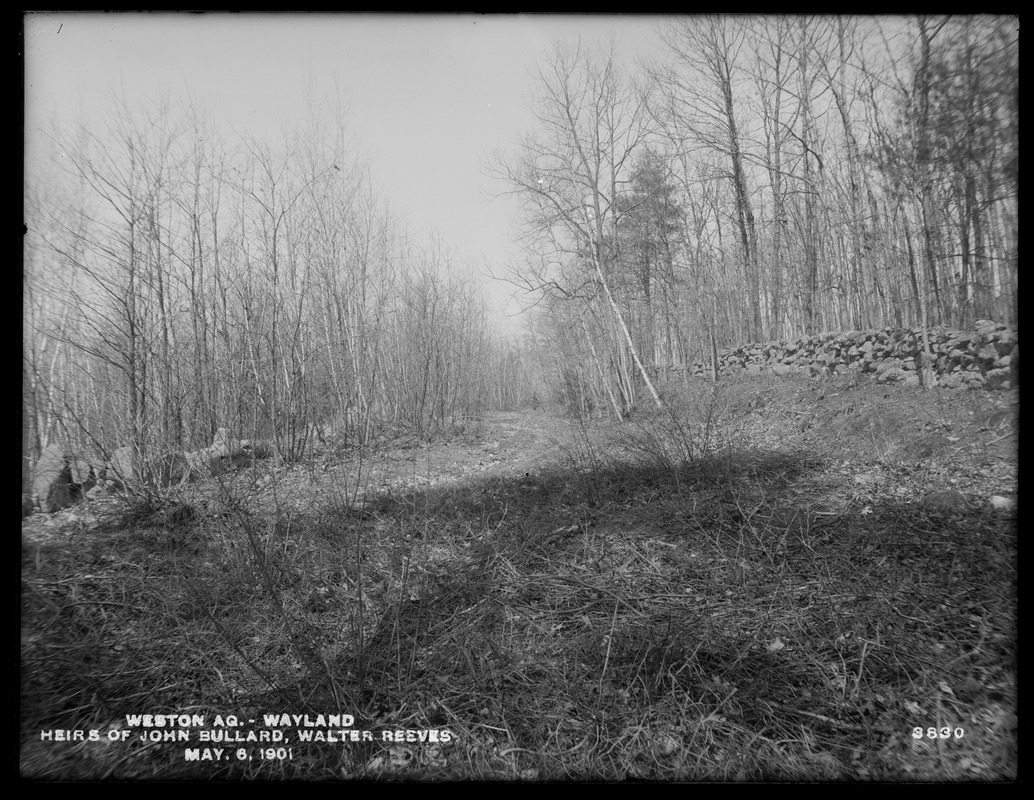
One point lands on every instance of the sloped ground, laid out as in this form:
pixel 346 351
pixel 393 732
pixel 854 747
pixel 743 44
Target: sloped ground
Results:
pixel 780 579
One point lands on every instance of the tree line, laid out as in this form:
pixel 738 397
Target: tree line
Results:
pixel 175 284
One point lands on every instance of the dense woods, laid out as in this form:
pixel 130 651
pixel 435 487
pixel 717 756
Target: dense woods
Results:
pixel 764 179
pixel 180 285
pixel 761 179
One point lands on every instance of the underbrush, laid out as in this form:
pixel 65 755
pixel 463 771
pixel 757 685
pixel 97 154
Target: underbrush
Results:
pixel 674 599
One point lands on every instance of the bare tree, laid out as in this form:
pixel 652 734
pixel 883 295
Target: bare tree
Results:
pixel 573 172
pixel 701 96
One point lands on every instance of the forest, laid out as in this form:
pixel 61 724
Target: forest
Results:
pixel 762 179
pixel 771 179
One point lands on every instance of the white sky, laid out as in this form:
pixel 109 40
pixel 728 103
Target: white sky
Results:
pixel 430 97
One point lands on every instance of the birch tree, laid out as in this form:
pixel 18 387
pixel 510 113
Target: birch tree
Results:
pixel 574 170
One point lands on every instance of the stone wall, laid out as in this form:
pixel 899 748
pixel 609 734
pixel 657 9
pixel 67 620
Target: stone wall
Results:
pixel 173 468
pixel 61 478
pixel 987 356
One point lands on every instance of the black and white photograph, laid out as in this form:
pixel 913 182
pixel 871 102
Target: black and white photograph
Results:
pixel 519 397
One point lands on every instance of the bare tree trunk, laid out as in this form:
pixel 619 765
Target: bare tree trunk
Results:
pixel 628 336
pixel 599 369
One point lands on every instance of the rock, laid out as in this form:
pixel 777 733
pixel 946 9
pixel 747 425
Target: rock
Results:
pixel 999 503
pixel 123 467
pixel 890 375
pixel 998 378
pixel 83 471
pixel 888 365
pixel 893 354
pixel 1005 342
pixel 988 355
pixel 52 479
pixel 945 502
pixel 224 452
pixel 173 468
pixel 985 327
pixel 225 445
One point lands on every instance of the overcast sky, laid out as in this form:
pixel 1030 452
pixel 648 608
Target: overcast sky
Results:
pixel 429 97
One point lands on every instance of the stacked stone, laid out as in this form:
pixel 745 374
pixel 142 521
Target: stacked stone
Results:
pixel 987 356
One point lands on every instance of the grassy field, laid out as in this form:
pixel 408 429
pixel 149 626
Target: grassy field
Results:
pixel 778 579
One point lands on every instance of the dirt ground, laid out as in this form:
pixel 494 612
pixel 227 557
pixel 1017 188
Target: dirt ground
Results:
pixel 839 555
pixel 501 445
pixel 877 440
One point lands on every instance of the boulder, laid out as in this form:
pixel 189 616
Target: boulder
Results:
pixel 123 467
pixel 126 468
pixel 888 365
pixel 998 379
pixel 100 490
pixel 85 474
pixel 226 451
pixel 985 327
pixel 52 479
pixel 225 445
pixel 174 468
pixel 891 375
pixel 988 355
pixel 999 503
pixel 945 502
pixel 1006 341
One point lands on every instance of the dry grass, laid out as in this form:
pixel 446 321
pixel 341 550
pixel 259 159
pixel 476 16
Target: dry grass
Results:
pixel 749 589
